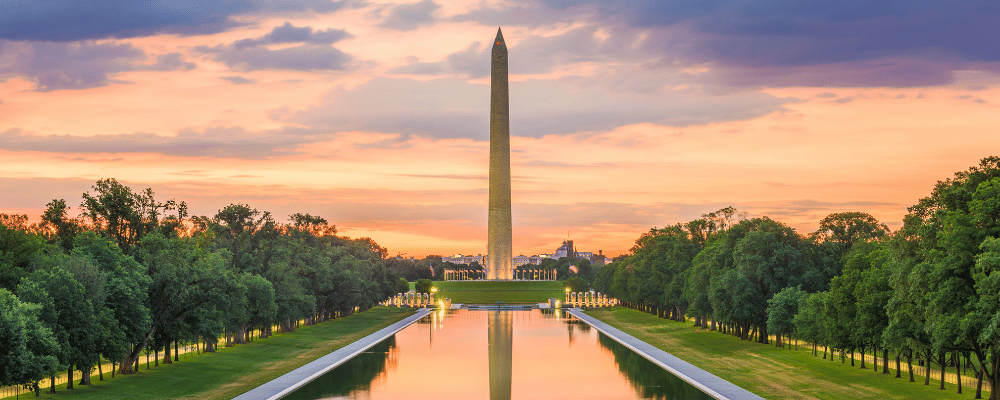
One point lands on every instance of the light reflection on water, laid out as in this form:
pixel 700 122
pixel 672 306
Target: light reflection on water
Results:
pixel 498 355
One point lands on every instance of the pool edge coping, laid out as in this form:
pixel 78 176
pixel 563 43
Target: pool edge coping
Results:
pixel 324 364
pixel 710 388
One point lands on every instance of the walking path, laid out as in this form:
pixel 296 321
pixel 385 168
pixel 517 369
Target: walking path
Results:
pixel 287 383
pixel 704 381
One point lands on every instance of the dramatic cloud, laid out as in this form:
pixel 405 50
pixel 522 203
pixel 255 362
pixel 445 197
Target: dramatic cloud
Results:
pixel 455 108
pixel 61 20
pixel 171 62
pixel 826 43
pixel 407 17
pixel 288 33
pixel 315 52
pixel 84 65
pixel 67 21
pixel 238 80
pixel 213 142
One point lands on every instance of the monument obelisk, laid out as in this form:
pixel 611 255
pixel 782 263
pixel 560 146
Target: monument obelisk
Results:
pixel 499 262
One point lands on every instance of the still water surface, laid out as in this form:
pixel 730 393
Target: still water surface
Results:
pixel 498 355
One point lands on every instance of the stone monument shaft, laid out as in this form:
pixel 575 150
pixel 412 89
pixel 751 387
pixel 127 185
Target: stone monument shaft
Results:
pixel 500 254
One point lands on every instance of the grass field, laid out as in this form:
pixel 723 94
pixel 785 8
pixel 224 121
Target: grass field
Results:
pixel 772 372
pixel 488 292
pixel 232 371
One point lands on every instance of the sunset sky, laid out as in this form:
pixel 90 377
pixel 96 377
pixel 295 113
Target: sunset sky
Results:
pixel 374 115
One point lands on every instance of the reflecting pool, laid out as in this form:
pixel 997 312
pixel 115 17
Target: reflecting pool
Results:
pixel 498 355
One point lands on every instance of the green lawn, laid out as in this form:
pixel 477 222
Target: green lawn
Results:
pixel 772 372
pixel 487 292
pixel 232 371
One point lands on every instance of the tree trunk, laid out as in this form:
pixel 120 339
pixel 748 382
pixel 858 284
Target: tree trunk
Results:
pixel 885 361
pixel 927 369
pixel 240 335
pixel 176 351
pixel 85 375
pixel 156 357
pixel 36 389
pixel 943 367
pixel 958 371
pixel 69 375
pixel 52 387
pixel 979 383
pixel 909 362
pixel 898 369
pixel 100 373
pixel 133 357
pixel 994 377
pixel 166 354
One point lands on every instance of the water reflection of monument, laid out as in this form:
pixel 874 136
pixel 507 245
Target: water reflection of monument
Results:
pixel 500 335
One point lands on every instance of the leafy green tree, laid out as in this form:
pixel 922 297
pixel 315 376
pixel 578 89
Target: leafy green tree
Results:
pixel 57 225
pixel 850 228
pixel 660 259
pixel 872 291
pixel 30 351
pixel 986 315
pixel 576 284
pixel 125 291
pixel 943 236
pixel 781 310
pixel 185 277
pixel 424 286
pixel 810 320
pixel 17 247
pixel 605 278
pixel 753 261
pixel 585 270
pixel 124 216
pixel 67 312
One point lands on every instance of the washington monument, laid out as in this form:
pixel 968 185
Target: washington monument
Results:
pixel 499 262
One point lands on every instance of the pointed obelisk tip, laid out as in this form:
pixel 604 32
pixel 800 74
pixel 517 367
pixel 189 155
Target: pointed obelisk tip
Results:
pixel 499 39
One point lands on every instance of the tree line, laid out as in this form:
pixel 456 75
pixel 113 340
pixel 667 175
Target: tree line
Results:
pixel 929 290
pixel 132 274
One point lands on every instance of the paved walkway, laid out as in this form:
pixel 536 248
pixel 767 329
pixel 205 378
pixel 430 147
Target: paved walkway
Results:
pixel 287 383
pixel 706 382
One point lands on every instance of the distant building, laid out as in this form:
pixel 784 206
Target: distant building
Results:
pixel 566 250
pixel 461 259
pixel 599 259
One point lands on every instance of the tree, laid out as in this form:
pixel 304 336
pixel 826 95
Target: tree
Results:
pixel 118 213
pixel 781 310
pixel 57 226
pixel 30 351
pixel 585 270
pixel 17 247
pixel 810 320
pixel 423 286
pixel 944 236
pixel 576 284
pixel 986 315
pixel 185 277
pixel 67 312
pixel 125 291
pixel 850 228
